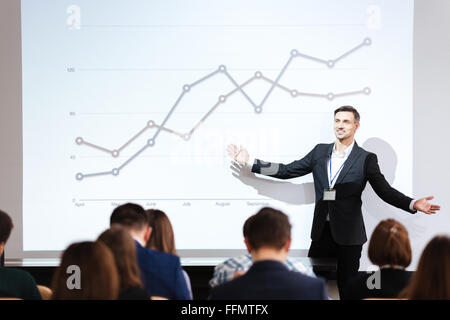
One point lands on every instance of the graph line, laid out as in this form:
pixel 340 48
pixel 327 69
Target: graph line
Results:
pixel 259 109
pixel 186 136
pixel 222 99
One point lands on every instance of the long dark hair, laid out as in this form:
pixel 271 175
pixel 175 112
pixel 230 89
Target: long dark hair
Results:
pixel 123 248
pixel 431 281
pixel 162 236
pixel 98 273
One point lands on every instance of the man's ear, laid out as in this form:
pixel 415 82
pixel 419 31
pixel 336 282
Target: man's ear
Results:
pixel 2 247
pixel 148 233
pixel 247 244
pixel 287 246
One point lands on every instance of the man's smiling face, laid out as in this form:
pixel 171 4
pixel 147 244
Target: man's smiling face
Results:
pixel 345 125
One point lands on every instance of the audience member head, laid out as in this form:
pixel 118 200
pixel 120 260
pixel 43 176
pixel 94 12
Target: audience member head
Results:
pixel 132 217
pixel 6 226
pixel 390 245
pixel 87 272
pixel 162 236
pixel 119 241
pixel 267 235
pixel 431 281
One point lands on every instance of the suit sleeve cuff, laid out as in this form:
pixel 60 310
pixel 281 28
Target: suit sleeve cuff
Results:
pixel 411 205
pixel 250 163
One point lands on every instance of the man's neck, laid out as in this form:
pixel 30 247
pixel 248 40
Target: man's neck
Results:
pixel 343 144
pixel 138 237
pixel 269 254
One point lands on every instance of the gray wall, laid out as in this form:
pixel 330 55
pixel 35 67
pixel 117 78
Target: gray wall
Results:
pixel 431 117
pixel 11 120
pixel 432 113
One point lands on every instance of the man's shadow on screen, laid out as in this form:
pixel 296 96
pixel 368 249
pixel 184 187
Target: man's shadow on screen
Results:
pixel 287 192
pixel 374 208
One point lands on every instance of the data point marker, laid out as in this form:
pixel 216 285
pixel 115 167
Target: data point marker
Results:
pixel 151 142
pixel 222 99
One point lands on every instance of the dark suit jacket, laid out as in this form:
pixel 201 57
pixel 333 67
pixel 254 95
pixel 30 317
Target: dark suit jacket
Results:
pixel 271 280
pixel 346 220
pixel 392 282
pixel 18 284
pixel 162 274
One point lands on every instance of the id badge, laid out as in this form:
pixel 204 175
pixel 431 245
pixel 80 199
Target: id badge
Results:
pixel 329 195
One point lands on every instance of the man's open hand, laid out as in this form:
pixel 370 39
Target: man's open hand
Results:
pixel 238 154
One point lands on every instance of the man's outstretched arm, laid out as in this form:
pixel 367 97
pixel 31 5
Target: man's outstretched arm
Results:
pixel 276 170
pixel 392 196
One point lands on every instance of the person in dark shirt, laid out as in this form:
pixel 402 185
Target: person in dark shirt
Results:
pixel 390 250
pixel 161 272
pixel 14 283
pixel 268 239
pixel 162 238
pixel 123 248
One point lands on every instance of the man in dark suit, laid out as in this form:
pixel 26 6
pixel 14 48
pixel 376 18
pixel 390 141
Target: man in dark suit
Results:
pixel 341 171
pixel 161 272
pixel 268 238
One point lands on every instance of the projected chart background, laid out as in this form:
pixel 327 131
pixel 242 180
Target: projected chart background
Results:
pixel 136 101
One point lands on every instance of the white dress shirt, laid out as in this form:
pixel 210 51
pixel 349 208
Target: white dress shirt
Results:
pixel 337 163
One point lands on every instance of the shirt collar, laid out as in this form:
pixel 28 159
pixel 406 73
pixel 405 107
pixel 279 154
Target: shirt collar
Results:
pixel 347 151
pixel 139 241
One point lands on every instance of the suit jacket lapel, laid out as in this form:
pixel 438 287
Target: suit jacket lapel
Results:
pixel 323 167
pixel 352 158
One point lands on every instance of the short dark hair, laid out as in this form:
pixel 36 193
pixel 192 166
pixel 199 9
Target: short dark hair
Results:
pixel 6 226
pixel 267 228
pixel 349 109
pixel 389 244
pixel 129 215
